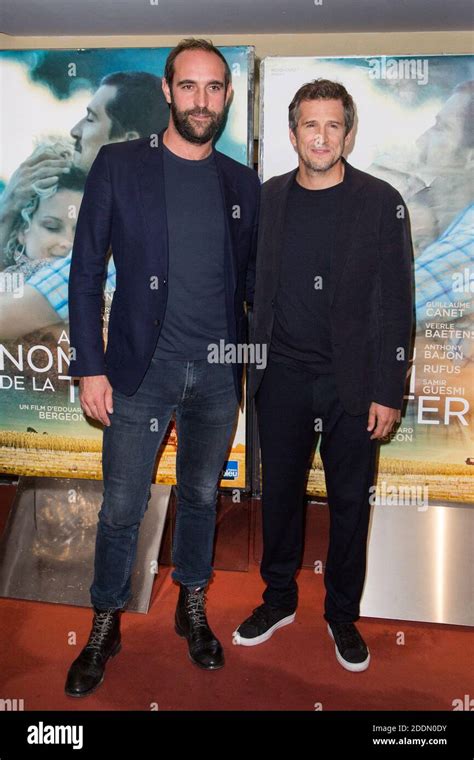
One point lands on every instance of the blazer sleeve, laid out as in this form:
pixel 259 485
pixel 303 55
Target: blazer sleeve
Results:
pixel 88 271
pixel 395 301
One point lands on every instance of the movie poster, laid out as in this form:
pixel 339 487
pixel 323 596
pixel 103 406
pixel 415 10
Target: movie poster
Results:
pixel 67 104
pixel 414 130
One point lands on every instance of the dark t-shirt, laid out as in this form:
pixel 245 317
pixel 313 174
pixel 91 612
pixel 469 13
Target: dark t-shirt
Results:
pixel 301 333
pixel 196 310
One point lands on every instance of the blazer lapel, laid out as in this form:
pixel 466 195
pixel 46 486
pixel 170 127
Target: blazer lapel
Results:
pixel 152 190
pixel 351 203
pixel 277 220
pixel 231 205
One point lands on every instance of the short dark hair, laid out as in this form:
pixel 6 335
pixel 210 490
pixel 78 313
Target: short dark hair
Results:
pixel 322 89
pixel 139 104
pixel 191 43
pixel 74 179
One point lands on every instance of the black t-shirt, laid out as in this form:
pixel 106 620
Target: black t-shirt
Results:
pixel 301 332
pixel 196 309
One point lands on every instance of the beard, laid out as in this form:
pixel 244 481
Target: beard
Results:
pixel 193 132
pixel 324 165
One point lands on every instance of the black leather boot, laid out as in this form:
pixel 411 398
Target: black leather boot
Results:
pixel 87 671
pixel 191 623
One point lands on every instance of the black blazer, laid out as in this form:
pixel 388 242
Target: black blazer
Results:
pixel 124 205
pixel 370 288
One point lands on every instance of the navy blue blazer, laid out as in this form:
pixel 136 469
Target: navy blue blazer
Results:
pixel 124 207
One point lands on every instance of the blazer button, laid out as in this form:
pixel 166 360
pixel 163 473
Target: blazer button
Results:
pixel 273 302
pixel 156 322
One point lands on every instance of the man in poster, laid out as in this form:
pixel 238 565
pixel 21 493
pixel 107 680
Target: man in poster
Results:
pixel 184 270
pixel 111 116
pixel 333 302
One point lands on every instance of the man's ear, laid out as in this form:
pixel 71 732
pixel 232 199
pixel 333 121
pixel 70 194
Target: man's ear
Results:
pixel 292 138
pixel 166 90
pixel 229 94
pixel 348 137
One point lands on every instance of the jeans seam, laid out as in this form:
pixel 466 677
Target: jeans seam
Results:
pixel 185 382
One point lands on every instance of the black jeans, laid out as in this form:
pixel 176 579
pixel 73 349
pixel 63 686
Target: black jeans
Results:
pixel 292 405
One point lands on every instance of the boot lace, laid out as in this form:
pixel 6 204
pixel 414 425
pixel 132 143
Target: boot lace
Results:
pixel 195 607
pixel 101 627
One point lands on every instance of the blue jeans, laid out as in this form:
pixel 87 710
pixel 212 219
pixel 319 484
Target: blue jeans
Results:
pixel 203 398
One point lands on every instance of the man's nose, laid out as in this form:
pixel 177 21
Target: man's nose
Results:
pixel 201 99
pixel 76 131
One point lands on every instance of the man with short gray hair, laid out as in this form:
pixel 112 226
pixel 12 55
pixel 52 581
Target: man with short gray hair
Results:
pixel 333 303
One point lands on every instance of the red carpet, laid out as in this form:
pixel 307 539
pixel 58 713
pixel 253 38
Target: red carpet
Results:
pixel 293 671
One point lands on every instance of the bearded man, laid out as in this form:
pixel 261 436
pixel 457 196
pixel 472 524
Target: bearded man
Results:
pixel 181 219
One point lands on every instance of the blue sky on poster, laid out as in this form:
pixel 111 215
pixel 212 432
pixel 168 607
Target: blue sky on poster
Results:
pixel 40 99
pixel 391 112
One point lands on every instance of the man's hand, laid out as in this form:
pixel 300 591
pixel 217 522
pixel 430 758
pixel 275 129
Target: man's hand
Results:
pixel 381 420
pixel 95 395
pixel 41 170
